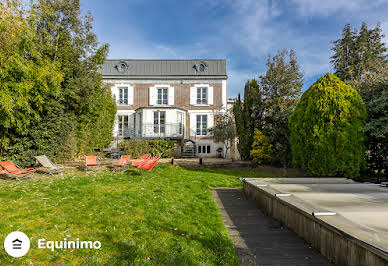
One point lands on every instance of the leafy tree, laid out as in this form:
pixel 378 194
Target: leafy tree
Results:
pixel 67 37
pixel 357 53
pixel 261 148
pixel 224 131
pixel 344 57
pixel 247 115
pixel 26 75
pixel 281 88
pixel 327 129
pixel 53 85
pixel 374 91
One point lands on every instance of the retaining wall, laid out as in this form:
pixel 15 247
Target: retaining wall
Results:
pixel 338 246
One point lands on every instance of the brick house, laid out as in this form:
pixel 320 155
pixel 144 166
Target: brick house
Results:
pixel 169 99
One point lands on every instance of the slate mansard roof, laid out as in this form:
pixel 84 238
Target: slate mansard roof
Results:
pixel 164 69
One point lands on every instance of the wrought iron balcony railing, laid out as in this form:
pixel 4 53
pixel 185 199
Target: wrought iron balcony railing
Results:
pixel 150 130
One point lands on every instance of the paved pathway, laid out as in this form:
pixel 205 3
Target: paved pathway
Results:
pixel 258 238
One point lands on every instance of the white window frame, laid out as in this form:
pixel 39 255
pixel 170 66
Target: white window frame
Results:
pixel 201 91
pixel 202 129
pixel 120 101
pixel 204 149
pixel 163 96
pixel 153 94
pixel 159 128
pixel 122 92
pixel 209 95
pixel 122 124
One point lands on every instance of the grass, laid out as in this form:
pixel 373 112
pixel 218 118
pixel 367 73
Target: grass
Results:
pixel 165 216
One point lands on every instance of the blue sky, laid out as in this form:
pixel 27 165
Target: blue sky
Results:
pixel 242 31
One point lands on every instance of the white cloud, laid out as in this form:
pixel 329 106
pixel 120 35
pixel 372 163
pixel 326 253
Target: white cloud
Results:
pixel 237 79
pixel 249 31
pixel 329 7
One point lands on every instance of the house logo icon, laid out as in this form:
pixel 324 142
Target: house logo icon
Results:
pixel 17 244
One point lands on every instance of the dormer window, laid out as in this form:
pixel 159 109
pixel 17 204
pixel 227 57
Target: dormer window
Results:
pixel 122 67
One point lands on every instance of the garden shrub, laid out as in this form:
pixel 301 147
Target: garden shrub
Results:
pixel 327 129
pixel 138 147
pixel 261 148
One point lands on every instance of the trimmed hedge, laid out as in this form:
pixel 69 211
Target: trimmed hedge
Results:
pixel 327 129
pixel 138 147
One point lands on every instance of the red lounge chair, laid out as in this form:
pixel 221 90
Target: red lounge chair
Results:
pixel 15 170
pixel 149 164
pixel 91 161
pixel 123 163
pixel 141 159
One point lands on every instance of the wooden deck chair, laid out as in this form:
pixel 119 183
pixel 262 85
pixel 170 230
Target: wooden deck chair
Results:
pixel 149 164
pixel 51 167
pixel 123 163
pixel 141 159
pixel 91 161
pixel 15 171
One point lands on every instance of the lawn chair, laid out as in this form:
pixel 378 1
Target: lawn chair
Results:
pixel 123 163
pixel 51 167
pixel 91 161
pixel 141 159
pixel 149 164
pixel 16 171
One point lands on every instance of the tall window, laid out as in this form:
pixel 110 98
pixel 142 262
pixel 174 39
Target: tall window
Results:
pixel 159 121
pixel 162 96
pixel 202 95
pixel 123 96
pixel 201 125
pixel 123 125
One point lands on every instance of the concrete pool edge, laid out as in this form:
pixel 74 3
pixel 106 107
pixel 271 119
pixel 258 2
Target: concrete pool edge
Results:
pixel 337 245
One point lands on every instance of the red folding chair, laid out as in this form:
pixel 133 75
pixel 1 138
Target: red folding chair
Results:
pixel 91 161
pixel 149 164
pixel 141 160
pixel 16 171
pixel 123 163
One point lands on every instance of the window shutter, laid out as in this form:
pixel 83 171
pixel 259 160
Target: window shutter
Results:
pixel 171 96
pixel 210 96
pixel 193 95
pixel 130 95
pixel 116 126
pixel 193 124
pixel 210 121
pixel 115 93
pixel 152 95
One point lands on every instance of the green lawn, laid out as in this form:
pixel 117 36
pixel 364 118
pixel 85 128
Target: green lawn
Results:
pixel 166 216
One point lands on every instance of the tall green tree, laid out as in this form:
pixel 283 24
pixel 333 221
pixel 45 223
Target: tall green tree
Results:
pixel 357 53
pixel 326 127
pixel 374 91
pixel 67 114
pixel 27 76
pixel 247 114
pixel 281 88
pixel 344 57
pixel 67 37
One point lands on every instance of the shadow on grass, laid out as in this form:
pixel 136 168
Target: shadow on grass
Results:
pixel 247 171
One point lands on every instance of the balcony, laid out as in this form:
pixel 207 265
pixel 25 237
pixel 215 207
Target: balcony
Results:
pixel 153 131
